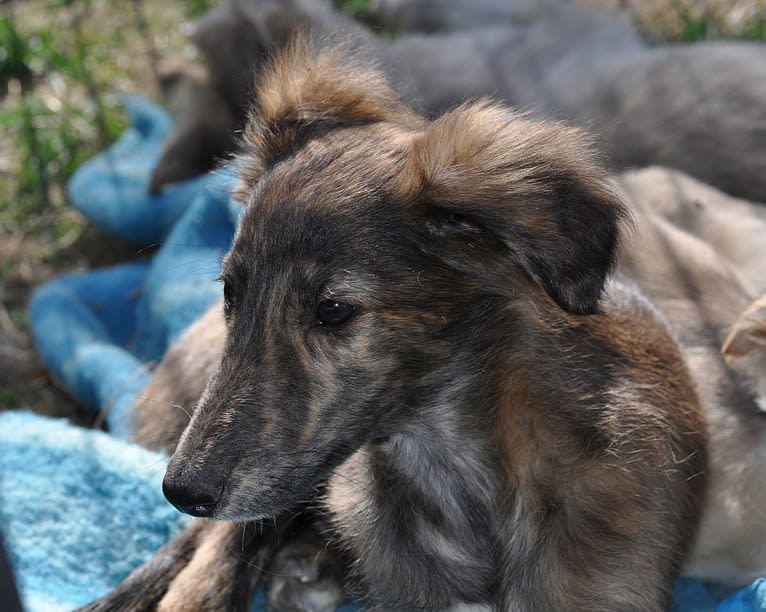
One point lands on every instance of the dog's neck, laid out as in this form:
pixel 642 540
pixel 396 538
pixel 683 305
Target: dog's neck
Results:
pixel 496 429
pixel 508 367
pixel 461 489
pixel 441 486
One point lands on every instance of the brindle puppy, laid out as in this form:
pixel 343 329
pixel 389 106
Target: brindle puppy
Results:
pixel 415 325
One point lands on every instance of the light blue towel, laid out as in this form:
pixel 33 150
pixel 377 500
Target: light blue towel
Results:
pixel 79 509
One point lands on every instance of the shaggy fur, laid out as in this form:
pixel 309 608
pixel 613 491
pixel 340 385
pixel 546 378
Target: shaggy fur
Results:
pixel 414 317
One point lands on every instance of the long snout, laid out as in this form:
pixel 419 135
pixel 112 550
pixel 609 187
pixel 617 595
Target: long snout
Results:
pixel 201 465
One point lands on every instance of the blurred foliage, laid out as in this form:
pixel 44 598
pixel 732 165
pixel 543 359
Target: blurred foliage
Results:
pixel 196 8
pixel 696 20
pixel 695 26
pixel 56 116
pixel 62 63
pixel 14 55
pixel 356 9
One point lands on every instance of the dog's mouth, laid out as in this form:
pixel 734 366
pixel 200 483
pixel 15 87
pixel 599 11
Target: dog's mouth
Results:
pixel 252 493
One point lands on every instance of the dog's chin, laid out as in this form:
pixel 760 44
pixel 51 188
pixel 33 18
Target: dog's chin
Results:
pixel 243 517
pixel 241 512
pixel 256 505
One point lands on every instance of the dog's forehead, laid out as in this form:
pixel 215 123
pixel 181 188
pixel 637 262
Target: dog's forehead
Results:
pixel 331 201
pixel 328 178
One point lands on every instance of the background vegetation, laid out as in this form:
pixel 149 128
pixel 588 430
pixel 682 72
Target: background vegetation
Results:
pixel 64 65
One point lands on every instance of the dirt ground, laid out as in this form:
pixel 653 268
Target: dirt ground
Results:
pixel 41 236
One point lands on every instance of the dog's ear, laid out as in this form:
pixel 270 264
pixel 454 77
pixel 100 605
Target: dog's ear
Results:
pixel 308 88
pixel 529 190
pixel 748 334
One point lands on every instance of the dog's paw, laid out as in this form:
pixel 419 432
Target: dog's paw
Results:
pixel 305 576
pixel 222 573
pixel 209 566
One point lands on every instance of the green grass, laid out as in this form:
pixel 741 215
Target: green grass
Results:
pixel 9 399
pixel 356 9
pixel 56 116
pixel 704 28
pixel 689 21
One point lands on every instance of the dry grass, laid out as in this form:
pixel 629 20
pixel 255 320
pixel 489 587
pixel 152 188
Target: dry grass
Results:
pixel 691 20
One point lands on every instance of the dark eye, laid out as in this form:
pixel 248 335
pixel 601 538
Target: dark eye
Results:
pixel 462 222
pixel 228 298
pixel 333 313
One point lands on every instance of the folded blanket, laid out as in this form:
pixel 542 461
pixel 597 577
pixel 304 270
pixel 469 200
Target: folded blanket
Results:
pixel 99 332
pixel 79 510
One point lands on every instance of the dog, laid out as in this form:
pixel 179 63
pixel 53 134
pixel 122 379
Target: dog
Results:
pixel 695 251
pixel 690 251
pixel 424 347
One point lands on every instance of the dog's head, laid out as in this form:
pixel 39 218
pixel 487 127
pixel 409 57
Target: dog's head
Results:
pixel 375 251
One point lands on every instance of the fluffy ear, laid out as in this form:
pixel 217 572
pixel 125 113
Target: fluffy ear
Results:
pixel 308 88
pixel 532 189
pixel 748 333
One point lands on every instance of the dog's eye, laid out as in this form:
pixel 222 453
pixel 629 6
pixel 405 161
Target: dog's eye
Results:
pixel 228 298
pixel 462 222
pixel 333 313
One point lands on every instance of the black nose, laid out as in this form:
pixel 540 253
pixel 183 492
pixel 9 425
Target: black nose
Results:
pixel 195 499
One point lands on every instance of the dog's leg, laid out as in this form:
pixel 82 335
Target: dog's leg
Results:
pixel 223 572
pixel 148 583
pixel 209 566
pixel 216 566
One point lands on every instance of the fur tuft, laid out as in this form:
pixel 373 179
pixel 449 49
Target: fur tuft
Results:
pixel 308 88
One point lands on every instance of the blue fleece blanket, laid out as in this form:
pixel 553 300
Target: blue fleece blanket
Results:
pixel 98 333
pixel 80 509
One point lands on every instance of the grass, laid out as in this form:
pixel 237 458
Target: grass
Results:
pixel 63 66
pixel 663 21
pixel 58 69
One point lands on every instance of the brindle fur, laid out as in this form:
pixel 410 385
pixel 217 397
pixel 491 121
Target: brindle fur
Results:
pixel 491 431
